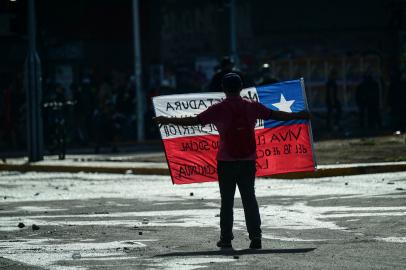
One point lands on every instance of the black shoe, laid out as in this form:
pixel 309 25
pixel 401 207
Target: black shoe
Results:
pixel 224 244
pixel 256 243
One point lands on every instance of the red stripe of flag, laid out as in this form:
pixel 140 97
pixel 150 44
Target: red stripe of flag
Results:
pixel 279 150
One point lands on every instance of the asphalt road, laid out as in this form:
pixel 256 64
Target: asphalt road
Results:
pixel 98 221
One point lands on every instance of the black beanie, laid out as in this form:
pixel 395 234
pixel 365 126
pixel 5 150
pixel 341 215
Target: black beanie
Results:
pixel 231 82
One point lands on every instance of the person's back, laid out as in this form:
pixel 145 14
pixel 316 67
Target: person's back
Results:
pixel 235 119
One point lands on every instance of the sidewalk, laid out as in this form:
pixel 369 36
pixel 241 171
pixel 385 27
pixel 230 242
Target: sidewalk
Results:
pixel 336 158
pixel 121 165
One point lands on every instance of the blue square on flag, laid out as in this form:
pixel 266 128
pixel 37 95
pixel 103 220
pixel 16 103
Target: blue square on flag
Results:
pixel 284 96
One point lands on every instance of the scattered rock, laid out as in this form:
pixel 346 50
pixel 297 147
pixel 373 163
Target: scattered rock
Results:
pixel 76 255
pixel 101 212
pixel 236 257
pixel 346 183
pixel 139 233
pixel 399 188
pixel 390 183
pixel 5 197
pixel 126 249
pixel 36 194
pixel 145 221
pixel 217 215
pixel 21 225
pixel 191 194
pixel 35 227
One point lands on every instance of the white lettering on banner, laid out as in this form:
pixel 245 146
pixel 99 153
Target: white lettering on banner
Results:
pixel 191 105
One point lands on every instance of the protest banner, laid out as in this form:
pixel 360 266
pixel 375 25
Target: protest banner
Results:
pixel 282 146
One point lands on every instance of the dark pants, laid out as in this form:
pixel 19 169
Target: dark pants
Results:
pixel 231 174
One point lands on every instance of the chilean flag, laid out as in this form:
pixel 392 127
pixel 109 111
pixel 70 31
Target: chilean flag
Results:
pixel 282 146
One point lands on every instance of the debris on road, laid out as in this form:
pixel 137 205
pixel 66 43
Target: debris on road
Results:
pixel 101 212
pixel 76 255
pixel 35 227
pixel 21 225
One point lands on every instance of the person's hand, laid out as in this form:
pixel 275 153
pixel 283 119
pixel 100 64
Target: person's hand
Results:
pixel 161 120
pixel 304 115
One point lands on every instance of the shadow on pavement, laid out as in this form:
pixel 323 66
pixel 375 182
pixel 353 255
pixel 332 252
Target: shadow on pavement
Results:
pixel 231 252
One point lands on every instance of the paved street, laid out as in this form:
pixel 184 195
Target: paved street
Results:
pixel 108 221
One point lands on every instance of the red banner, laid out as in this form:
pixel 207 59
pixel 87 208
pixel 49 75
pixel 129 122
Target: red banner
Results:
pixel 193 159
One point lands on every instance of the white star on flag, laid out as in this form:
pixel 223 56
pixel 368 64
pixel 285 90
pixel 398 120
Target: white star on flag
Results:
pixel 284 105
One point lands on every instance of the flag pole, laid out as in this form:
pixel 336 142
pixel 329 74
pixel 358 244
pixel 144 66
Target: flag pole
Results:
pixel 310 122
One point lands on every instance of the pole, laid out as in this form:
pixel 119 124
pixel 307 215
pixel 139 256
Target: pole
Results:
pixel 233 33
pixel 138 72
pixel 33 91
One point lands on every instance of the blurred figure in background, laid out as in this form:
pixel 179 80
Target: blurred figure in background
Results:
pixel 84 96
pixel 266 75
pixel 226 66
pixel 368 101
pixel 332 102
pixel 151 130
pixel 397 97
pixel 104 128
pixel 12 112
pixel 55 112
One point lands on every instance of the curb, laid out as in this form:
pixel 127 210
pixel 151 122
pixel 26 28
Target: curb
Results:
pixel 149 168
pixel 346 170
pixel 38 167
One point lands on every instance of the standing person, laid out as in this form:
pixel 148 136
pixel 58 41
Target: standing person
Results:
pixel 226 66
pixel 332 102
pixel 369 91
pixel 266 75
pixel 235 119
